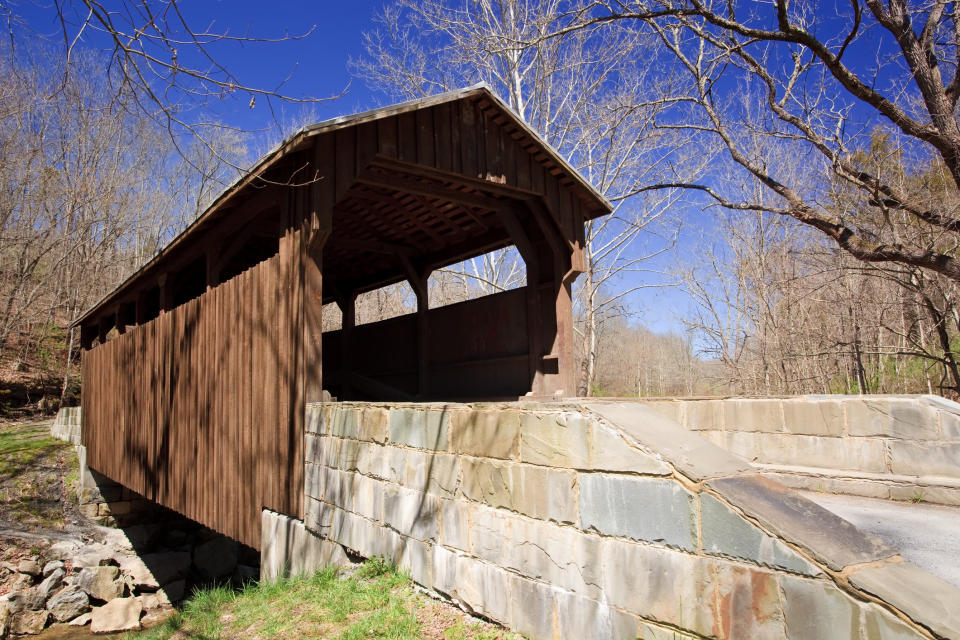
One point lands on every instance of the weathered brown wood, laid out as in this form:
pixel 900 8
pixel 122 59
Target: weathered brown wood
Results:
pixel 166 408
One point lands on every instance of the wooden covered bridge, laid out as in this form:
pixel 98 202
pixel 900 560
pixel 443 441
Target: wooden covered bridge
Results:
pixel 197 369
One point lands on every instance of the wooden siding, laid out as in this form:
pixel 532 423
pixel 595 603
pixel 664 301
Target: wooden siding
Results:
pixel 195 409
pixel 478 349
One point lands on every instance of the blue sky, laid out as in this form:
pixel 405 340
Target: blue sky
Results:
pixel 317 66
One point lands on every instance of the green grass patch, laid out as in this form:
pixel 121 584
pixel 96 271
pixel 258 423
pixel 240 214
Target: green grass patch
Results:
pixel 375 601
pixel 37 473
pixel 24 445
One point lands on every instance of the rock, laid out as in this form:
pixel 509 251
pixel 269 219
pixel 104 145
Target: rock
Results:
pixel 168 566
pixel 143 536
pixel 175 538
pixel 9 566
pixel 29 622
pixel 173 592
pixel 138 573
pixel 216 558
pixel 156 617
pixel 30 566
pixel 4 619
pixel 101 583
pixel 68 603
pixel 120 614
pixel 94 555
pixel 81 620
pixel 25 600
pixel 51 582
pixel 22 581
pixel 51 566
pixel 62 550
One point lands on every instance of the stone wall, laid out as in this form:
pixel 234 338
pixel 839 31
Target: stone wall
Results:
pixel 894 447
pixel 100 498
pixel 66 426
pixel 602 520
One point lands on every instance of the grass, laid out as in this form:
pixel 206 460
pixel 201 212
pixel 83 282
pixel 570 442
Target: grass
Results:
pixel 35 473
pixel 374 601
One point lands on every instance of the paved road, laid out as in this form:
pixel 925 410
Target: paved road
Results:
pixel 926 535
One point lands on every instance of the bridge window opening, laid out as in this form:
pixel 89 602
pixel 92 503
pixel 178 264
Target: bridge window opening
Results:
pixel 190 282
pixel 387 302
pixel 256 250
pixel 486 274
pixel 332 317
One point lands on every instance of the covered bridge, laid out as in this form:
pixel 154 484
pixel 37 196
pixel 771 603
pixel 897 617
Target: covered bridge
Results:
pixel 197 369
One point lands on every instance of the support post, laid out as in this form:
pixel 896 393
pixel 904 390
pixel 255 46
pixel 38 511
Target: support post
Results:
pixel 419 279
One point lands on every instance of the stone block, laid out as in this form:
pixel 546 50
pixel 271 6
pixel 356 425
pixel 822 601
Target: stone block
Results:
pixel 726 533
pixel 670 409
pixel 101 583
pixel 949 426
pixel 927 599
pixel 539 492
pixel 703 415
pixel 690 454
pixel 484 588
pixel 383 462
pixel 892 417
pixel 491 534
pixel 314 419
pixel 878 624
pixel 348 455
pixel 752 415
pixel 416 558
pixel 848 453
pixel 318 516
pixel 822 535
pixel 813 417
pixel 365 537
pixel 411 513
pixel 368 497
pixel 746 601
pixel 924 458
pixel 313 480
pixel 345 422
pixel 815 609
pixel 444 571
pixel 560 556
pixel 926 493
pixel 420 428
pixel 660 584
pixel 486 434
pixel 436 473
pixel 579 617
pixel 374 425
pixel 649 509
pixel 455 524
pixel 121 614
pixel 532 609
pixel 340 488
pixel 611 452
pixel 556 439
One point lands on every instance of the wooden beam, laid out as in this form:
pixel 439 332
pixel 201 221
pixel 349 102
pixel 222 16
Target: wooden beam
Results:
pixel 419 277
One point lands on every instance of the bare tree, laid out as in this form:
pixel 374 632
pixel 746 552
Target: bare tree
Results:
pixel 165 66
pixel 823 89
pixel 582 92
